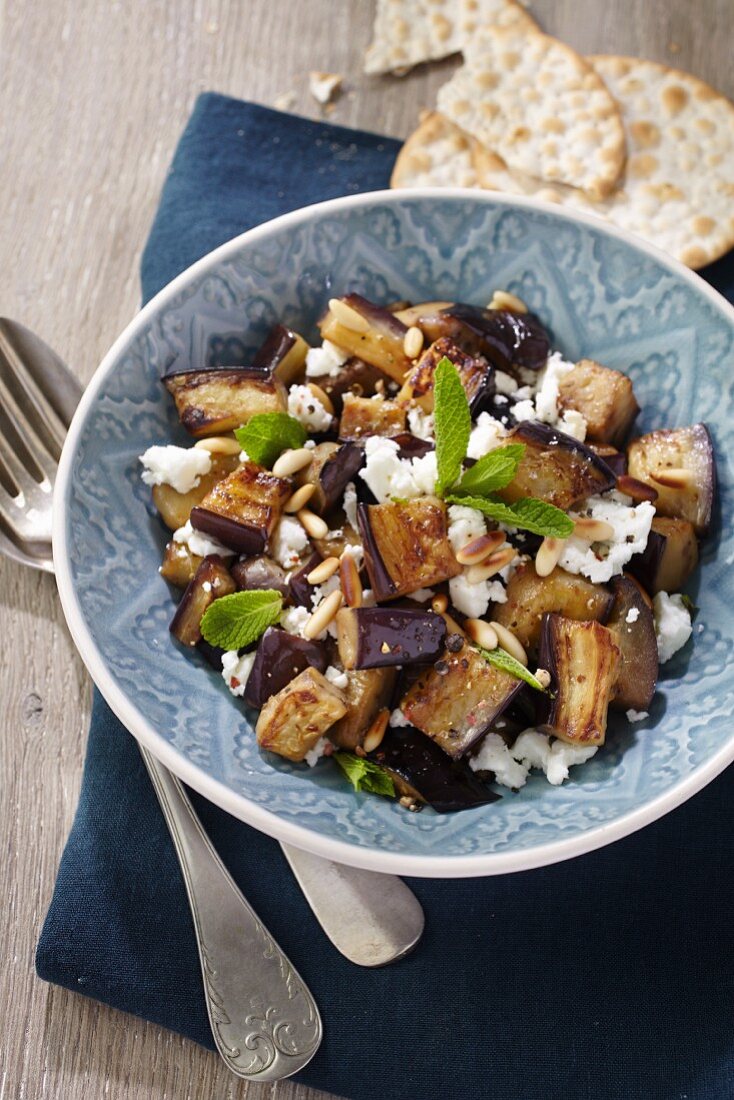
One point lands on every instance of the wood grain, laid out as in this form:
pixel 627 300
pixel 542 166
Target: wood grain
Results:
pixel 95 96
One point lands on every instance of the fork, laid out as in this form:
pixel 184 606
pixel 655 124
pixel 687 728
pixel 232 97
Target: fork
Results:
pixel 371 918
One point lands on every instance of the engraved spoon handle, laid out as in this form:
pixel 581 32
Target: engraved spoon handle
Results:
pixel 263 1018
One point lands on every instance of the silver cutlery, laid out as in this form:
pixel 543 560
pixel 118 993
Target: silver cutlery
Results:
pixel 371 918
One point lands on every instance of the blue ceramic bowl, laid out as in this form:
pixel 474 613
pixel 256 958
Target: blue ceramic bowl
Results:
pixel 603 294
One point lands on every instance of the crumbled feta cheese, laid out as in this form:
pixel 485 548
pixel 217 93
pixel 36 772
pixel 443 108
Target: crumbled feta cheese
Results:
pixel 207 586
pixel 398 719
pixel 543 403
pixel 244 457
pixel 562 757
pixel 636 715
pixel 632 615
pixel 486 435
pixel 470 599
pixel 465 524
pixel 294 619
pixel 504 383
pixel 336 676
pixel 326 360
pixel 421 595
pixel 314 755
pixel 308 409
pixel 389 476
pixel 672 624
pixel 200 544
pixel 350 504
pixel 603 560
pixel 323 86
pixel 425 473
pixel 531 749
pixel 179 467
pixel 494 756
pixel 573 423
pixel 236 669
pixel 287 542
pixel 321 591
pixel 421 424
pixel 355 552
pixel 524 410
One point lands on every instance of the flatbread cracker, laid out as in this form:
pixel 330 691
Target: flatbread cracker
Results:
pixel 438 154
pixel 540 106
pixel 409 32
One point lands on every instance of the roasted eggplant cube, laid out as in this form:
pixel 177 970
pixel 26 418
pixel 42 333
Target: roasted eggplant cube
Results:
pixel 406 546
pixel 433 321
pixel 279 658
pixel 604 397
pixel 378 339
pixel 456 703
pixel 688 454
pixel 555 468
pixel 260 572
pixel 242 510
pixel 354 377
pixel 210 402
pixel 175 508
pixel 282 355
pixel 292 721
pixel 615 460
pixel 179 564
pixel 669 558
pixel 583 661
pixel 632 624
pixel 370 637
pixel 363 416
pixel 337 539
pixel 422 771
pixel 211 580
pixel 508 340
pixel 475 374
pixel 367 692
pixel 530 597
pixel 299 589
pixel 332 467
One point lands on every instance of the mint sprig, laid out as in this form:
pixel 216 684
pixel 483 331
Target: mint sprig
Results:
pixel 364 775
pixel 503 660
pixel 527 514
pixel 493 471
pixel 452 424
pixel 267 435
pixel 234 621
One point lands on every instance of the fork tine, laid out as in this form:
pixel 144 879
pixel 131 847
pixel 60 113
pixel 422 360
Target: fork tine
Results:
pixel 22 440
pixel 39 417
pixel 52 378
pixel 29 525
pixel 14 475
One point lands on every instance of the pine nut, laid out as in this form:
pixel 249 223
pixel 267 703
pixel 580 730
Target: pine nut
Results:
pixel 290 462
pixel 548 556
pixel 325 569
pixel 480 548
pixel 313 524
pixel 503 299
pixel 509 643
pixel 439 604
pixel 347 316
pixel 491 565
pixel 323 615
pixel 413 342
pixel 376 732
pixel 481 633
pixel 350 582
pixel 543 676
pixel 638 490
pixel 322 396
pixel 676 477
pixel 593 530
pixel 299 499
pixel 219 445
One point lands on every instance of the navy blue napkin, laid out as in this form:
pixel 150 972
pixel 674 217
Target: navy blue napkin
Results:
pixel 607 977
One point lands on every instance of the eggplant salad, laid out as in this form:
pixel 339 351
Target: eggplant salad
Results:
pixel 426 547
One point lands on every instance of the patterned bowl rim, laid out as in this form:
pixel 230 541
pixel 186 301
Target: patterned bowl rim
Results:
pixel 374 859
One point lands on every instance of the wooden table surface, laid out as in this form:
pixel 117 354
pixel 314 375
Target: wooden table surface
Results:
pixel 95 95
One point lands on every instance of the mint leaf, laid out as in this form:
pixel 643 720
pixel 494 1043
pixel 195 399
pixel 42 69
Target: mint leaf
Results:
pixel 501 659
pixel 267 435
pixel 232 622
pixel 452 421
pixel 364 775
pixel 493 471
pixel 528 514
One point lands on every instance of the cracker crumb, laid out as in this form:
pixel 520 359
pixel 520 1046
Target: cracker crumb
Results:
pixel 324 86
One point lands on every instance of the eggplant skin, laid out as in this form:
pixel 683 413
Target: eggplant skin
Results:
pixel 555 468
pixel 669 558
pixel 637 644
pixel 260 572
pixel 282 354
pixel 456 703
pixel 507 339
pixel 406 546
pixel 210 402
pixel 332 467
pixel 475 373
pixel 243 509
pixel 368 690
pixel 299 590
pixel 687 448
pixel 381 344
pixel 293 720
pixel 211 580
pixel 419 767
pixel 583 660
pixel 372 637
pixel 280 657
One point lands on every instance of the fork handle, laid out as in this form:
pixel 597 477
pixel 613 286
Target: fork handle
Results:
pixel 263 1018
